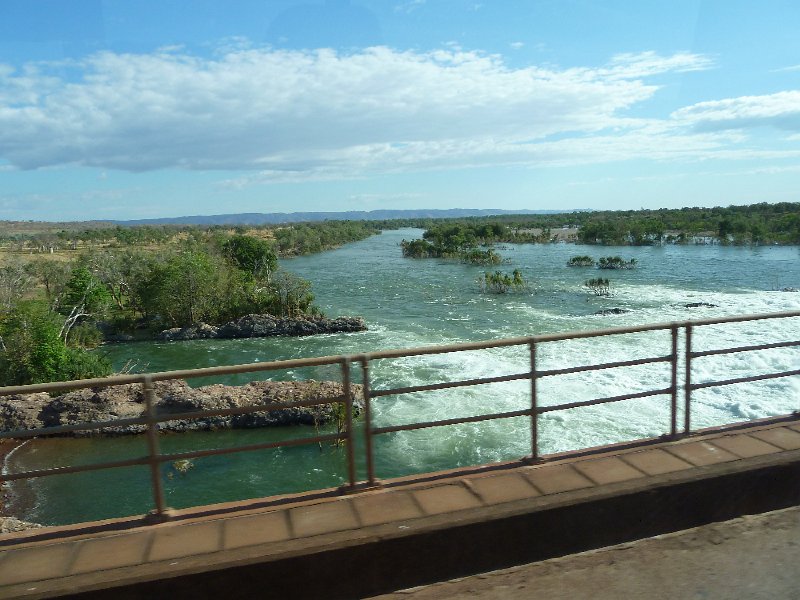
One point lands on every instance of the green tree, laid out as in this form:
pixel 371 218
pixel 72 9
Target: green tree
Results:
pixel 183 290
pixel 481 257
pixel 85 291
pixel 84 298
pixel 32 349
pixel 53 275
pixel 252 255
pixel 292 294
pixel 117 270
pixel 615 262
pixel 418 249
pixel 502 283
pixel 598 286
pixel 580 261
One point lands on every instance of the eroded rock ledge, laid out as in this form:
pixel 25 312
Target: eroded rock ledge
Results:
pixel 34 411
pixel 12 525
pixel 251 326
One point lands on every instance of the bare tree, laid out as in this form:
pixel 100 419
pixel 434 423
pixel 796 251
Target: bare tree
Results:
pixel 15 282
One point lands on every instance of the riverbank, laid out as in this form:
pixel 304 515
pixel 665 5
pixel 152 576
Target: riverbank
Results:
pixel 174 398
pixel 9 524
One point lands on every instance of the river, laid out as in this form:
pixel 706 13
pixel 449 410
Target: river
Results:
pixel 409 303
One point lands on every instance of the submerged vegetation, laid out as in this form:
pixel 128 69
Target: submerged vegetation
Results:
pixel 598 286
pixel 615 262
pixel 502 283
pixel 470 244
pixel 606 262
pixel 482 257
pixel 580 261
pixel 456 240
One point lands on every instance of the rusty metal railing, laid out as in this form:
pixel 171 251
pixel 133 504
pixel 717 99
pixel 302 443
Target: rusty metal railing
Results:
pixel 151 419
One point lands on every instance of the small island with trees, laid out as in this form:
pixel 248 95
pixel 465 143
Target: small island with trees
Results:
pixel 756 224
pixel 502 283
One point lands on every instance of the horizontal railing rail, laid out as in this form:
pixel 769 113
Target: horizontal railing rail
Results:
pixel 152 418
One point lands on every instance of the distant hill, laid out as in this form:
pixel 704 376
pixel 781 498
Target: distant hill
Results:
pixel 353 215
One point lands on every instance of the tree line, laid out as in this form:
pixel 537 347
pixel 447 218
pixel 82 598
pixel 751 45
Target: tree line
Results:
pixel 751 224
pixel 289 240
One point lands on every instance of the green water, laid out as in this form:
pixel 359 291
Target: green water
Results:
pixel 409 303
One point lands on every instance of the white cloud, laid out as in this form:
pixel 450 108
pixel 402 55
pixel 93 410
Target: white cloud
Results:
pixel 774 170
pixel 291 115
pixel 517 45
pixel 781 110
pixel 789 69
pixel 652 142
pixel 647 64
pixel 171 48
pixel 408 6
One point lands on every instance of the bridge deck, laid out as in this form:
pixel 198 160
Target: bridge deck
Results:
pixel 414 530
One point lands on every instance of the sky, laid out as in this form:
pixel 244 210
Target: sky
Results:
pixel 112 109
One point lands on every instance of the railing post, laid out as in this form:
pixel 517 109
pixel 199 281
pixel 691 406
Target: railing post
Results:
pixel 534 405
pixel 687 384
pixel 152 447
pixel 673 427
pixel 367 421
pixel 348 394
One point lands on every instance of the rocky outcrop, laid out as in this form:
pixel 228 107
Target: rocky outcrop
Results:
pixel 33 411
pixel 251 326
pixel 700 305
pixel 612 311
pixel 11 525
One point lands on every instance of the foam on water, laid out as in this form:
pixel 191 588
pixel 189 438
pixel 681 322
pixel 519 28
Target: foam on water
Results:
pixel 601 424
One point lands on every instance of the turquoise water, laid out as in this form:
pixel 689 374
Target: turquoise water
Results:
pixel 409 303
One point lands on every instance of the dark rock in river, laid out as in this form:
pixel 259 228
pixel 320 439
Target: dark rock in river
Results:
pixel 251 326
pixel 33 411
pixel 613 311
pixel 790 289
pixel 700 305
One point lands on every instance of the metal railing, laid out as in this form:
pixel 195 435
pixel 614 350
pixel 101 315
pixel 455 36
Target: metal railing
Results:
pixel 151 419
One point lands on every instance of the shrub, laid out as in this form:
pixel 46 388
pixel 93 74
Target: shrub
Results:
pixel 580 261
pixel 501 283
pixel 33 350
pixel 599 286
pixel 482 257
pixel 615 262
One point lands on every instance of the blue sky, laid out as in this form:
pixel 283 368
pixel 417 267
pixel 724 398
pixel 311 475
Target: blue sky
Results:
pixel 112 109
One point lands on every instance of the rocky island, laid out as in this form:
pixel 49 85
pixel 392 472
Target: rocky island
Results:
pixel 251 326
